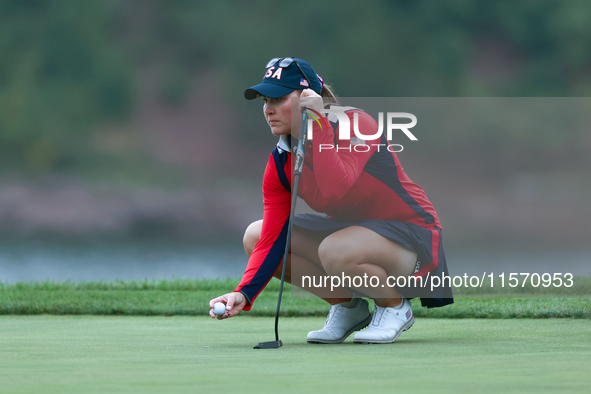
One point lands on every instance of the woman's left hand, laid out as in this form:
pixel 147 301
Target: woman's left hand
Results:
pixel 311 99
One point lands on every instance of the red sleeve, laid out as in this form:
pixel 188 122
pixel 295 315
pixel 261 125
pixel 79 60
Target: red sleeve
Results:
pixel 268 252
pixel 336 170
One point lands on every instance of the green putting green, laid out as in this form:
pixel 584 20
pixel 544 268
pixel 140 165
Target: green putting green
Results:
pixel 198 354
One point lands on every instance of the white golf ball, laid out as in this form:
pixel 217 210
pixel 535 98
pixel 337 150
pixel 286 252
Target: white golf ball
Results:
pixel 219 308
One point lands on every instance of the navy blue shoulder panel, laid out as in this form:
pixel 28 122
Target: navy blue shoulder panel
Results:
pixel 280 159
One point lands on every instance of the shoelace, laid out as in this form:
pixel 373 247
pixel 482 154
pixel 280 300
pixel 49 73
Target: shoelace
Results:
pixel 332 312
pixel 377 312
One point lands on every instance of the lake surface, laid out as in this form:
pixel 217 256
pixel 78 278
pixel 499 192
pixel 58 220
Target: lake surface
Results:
pixel 60 261
pixel 35 261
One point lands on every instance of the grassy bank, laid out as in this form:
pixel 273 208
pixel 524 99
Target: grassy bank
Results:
pixel 191 297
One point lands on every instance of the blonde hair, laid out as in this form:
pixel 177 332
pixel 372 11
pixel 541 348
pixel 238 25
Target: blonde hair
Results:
pixel 328 94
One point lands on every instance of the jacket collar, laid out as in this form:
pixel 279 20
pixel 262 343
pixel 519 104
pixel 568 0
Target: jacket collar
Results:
pixel 284 143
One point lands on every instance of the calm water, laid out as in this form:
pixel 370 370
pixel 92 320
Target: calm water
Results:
pixel 34 261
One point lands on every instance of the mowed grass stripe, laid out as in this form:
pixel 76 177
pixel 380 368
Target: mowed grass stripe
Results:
pixel 179 354
pixel 191 297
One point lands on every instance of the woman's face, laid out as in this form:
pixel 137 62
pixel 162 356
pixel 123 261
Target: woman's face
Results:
pixel 278 112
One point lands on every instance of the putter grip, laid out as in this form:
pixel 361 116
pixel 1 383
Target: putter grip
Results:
pixel 299 152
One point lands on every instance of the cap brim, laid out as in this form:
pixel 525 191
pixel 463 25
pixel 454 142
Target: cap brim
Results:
pixel 267 90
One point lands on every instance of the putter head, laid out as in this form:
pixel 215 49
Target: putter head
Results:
pixel 269 345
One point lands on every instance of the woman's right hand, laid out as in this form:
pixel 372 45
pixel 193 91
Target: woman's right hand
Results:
pixel 235 303
pixel 312 100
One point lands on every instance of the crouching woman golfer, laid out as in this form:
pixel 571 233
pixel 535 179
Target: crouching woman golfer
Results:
pixel 378 223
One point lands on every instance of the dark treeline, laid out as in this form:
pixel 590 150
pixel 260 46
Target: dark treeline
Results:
pixel 68 68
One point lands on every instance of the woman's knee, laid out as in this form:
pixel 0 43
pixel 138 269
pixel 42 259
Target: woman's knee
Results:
pixel 252 236
pixel 334 254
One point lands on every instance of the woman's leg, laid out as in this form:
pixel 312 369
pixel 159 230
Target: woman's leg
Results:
pixel 345 316
pixel 302 261
pixel 358 251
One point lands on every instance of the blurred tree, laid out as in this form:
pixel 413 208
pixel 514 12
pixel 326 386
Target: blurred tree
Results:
pixel 61 73
pixel 391 48
pixel 67 66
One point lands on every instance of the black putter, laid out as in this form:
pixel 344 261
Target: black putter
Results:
pixel 297 171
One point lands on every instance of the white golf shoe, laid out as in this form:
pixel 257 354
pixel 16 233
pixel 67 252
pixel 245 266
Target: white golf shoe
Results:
pixel 341 322
pixel 387 324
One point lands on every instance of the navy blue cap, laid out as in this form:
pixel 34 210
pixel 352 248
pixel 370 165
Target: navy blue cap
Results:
pixel 280 81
